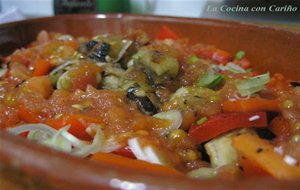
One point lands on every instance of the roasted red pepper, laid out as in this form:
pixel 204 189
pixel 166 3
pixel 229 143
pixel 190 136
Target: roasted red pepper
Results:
pixel 244 63
pixel 166 33
pixel 217 55
pixel 78 124
pixel 124 151
pixel 222 123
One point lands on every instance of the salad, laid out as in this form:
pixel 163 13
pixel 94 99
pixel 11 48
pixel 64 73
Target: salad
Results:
pixel 166 105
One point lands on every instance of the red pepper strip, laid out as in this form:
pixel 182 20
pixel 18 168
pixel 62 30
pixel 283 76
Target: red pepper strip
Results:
pixel 125 151
pixel 42 67
pixel 134 165
pixel 223 123
pixel 166 33
pixel 251 105
pixel 78 123
pixel 217 55
pixel 244 63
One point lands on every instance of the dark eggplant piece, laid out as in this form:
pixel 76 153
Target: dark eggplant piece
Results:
pixel 294 84
pixel 141 99
pixel 91 44
pixel 100 51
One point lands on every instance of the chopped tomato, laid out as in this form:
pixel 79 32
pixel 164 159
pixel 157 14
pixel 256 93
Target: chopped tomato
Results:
pixel 42 67
pixel 218 124
pixel 26 115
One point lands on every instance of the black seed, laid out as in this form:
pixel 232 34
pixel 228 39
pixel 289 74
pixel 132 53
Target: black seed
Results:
pixel 241 168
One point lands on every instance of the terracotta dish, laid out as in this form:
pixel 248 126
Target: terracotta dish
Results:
pixel 25 165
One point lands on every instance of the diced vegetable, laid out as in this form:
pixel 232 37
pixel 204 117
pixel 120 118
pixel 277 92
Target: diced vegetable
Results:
pixel 135 165
pixel 253 85
pixel 203 173
pixel 217 55
pixel 40 87
pixel 78 124
pixel 159 63
pixel 124 151
pixel 281 127
pixel 177 135
pixel 220 150
pixel 192 59
pixel 222 123
pixel 173 116
pixel 201 120
pixel 239 55
pixel 42 67
pixel 3 72
pixel 26 115
pixel 234 68
pixel 262 153
pixel 139 96
pixel 166 33
pixel 244 63
pixel 146 153
pixel 251 105
pixel 210 80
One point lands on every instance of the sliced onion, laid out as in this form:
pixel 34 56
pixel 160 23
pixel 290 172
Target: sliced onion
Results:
pixel 148 153
pixel 110 145
pixel 126 45
pixel 3 72
pixel 234 68
pixel 58 142
pixel 65 141
pixel 31 127
pixel 74 140
pixel 62 67
pixel 137 149
pixel 174 116
pixel 94 147
pixel 152 155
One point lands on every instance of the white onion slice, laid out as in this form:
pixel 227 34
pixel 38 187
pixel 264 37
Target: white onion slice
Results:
pixel 148 153
pixel 152 155
pixel 94 147
pixel 137 149
pixel 58 142
pixel 110 145
pixel 127 44
pixel 74 140
pixel 65 141
pixel 174 116
pixel 3 71
pixel 61 67
pixel 29 127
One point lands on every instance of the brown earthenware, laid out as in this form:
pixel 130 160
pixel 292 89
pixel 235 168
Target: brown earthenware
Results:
pixel 25 165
